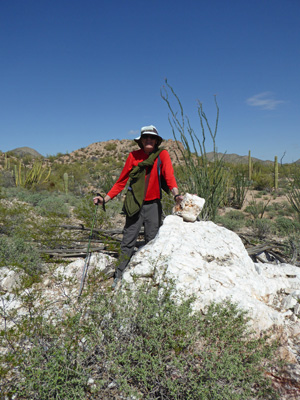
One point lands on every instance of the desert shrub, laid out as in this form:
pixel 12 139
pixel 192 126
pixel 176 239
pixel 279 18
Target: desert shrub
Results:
pixel 258 195
pixel 48 233
pixel 262 227
pixel 106 181
pixel 261 181
pixel 292 246
pixel 282 209
pixel 145 346
pixel 15 218
pixel 232 220
pixel 53 206
pixel 15 251
pixel 7 179
pixel 293 196
pixel 167 202
pixel 257 209
pixel 240 187
pixel 286 226
pixel 110 146
pixel 32 197
pixel 114 207
pixel 85 210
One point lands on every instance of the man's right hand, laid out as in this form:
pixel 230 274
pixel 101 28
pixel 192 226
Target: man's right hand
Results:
pixel 98 200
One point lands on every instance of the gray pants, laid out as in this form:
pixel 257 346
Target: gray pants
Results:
pixel 150 217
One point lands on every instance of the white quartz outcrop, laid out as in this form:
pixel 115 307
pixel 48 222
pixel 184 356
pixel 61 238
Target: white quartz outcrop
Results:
pixel 211 262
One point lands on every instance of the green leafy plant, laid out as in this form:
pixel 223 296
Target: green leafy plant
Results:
pixel 286 226
pixel 144 345
pixel 293 196
pixel 257 209
pixel 85 210
pixel 233 220
pixel 262 227
pixel 53 206
pixel 240 188
pixel 110 146
pixel 15 251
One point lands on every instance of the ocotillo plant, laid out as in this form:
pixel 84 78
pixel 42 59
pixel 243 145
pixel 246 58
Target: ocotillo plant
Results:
pixel 207 179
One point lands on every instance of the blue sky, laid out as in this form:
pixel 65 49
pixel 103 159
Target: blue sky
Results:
pixel 76 72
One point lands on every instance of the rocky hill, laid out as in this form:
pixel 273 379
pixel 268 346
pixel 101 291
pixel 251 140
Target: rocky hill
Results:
pixel 23 151
pixel 119 149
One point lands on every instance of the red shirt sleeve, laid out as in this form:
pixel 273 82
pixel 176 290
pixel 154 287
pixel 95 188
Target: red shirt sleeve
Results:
pixel 123 178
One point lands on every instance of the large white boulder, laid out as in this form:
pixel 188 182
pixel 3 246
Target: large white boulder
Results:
pixel 211 262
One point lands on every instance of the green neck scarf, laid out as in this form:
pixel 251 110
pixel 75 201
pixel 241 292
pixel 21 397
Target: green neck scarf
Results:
pixel 136 190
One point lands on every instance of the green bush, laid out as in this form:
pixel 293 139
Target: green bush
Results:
pixel 282 209
pixel 286 226
pixel 293 196
pixel 110 146
pixel 49 233
pixel 15 218
pixel 262 227
pixel 143 345
pixel 15 251
pixel 239 191
pixel 257 209
pixel 167 202
pixel 53 206
pixel 232 220
pixel 85 211
pixel 262 181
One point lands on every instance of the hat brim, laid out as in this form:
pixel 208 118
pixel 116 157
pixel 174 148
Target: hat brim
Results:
pixel 139 142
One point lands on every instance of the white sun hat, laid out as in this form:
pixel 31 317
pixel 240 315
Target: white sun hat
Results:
pixel 148 130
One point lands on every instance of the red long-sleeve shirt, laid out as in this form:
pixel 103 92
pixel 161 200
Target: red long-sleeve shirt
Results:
pixel 153 190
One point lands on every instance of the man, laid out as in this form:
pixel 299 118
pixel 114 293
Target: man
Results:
pixel 149 169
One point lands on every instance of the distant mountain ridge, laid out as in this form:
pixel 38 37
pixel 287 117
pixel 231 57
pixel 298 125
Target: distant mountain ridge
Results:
pixel 236 159
pixel 125 146
pixel 23 151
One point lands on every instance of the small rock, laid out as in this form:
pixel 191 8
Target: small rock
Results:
pixel 289 302
pixel 189 208
pixel 297 309
pixel 286 354
pixel 90 381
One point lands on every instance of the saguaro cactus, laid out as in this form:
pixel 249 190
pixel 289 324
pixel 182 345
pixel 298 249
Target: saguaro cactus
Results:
pixel 249 166
pixel 6 162
pixel 276 173
pixel 66 182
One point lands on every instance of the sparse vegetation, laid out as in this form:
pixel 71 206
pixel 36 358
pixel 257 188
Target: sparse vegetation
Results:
pixel 49 360
pixel 147 347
